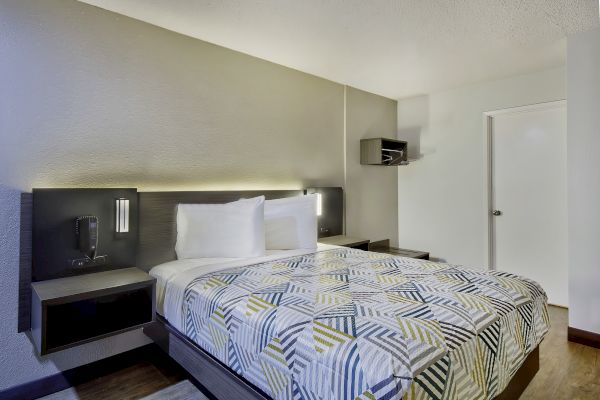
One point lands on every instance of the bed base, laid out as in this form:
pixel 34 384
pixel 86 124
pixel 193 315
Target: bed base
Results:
pixel 225 384
pixel 523 377
pixel 221 381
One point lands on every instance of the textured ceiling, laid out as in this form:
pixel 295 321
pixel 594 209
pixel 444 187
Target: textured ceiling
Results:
pixel 396 48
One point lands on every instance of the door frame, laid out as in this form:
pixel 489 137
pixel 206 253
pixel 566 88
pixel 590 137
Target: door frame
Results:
pixel 489 206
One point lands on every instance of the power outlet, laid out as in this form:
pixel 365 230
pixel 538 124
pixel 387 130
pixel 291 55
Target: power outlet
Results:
pixel 88 262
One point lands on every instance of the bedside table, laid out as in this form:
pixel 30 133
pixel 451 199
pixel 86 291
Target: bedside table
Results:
pixel 395 251
pixel 346 241
pixel 67 312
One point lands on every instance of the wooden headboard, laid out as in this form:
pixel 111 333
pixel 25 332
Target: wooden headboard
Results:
pixel 158 219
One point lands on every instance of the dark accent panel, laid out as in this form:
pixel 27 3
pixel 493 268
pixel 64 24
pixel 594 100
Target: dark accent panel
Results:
pixel 76 376
pixel 522 378
pixel 584 337
pixel 54 238
pixel 158 219
pixel 24 321
pixel 331 221
pixel 222 382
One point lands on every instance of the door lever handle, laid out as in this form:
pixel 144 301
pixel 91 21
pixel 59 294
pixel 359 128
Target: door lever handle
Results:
pixel 496 213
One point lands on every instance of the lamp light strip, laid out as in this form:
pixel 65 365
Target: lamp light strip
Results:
pixel 122 222
pixel 319 204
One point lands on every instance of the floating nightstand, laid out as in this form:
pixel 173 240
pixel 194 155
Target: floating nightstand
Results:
pixel 346 241
pixel 67 312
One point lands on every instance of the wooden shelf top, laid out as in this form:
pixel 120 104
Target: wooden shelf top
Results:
pixel 80 284
pixel 343 240
pixel 401 252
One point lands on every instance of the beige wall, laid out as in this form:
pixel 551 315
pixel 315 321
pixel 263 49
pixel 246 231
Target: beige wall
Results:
pixel 101 99
pixel 91 98
pixel 371 191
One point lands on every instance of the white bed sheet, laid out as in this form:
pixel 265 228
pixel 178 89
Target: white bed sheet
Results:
pixel 174 276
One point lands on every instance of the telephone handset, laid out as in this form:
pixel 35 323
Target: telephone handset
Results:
pixel 86 229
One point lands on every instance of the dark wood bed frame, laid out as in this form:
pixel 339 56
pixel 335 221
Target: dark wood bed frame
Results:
pixel 157 236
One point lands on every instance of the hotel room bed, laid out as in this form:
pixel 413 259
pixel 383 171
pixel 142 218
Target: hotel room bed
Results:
pixel 340 323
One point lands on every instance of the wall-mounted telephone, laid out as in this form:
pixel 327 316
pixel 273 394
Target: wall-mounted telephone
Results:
pixel 86 229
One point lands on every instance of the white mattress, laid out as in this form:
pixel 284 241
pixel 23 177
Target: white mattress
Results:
pixel 173 277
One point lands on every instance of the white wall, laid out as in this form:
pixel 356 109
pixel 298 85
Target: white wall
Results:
pixel 583 177
pixel 441 196
pixel 90 98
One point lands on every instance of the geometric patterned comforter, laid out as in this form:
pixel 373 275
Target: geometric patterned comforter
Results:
pixel 347 324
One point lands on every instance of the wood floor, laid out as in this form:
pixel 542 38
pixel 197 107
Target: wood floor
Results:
pixel 567 371
pixel 143 380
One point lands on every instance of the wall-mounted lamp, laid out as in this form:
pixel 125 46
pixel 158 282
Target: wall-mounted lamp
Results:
pixel 122 215
pixel 330 210
pixel 319 204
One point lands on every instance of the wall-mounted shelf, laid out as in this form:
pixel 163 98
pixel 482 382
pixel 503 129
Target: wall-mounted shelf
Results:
pixel 382 151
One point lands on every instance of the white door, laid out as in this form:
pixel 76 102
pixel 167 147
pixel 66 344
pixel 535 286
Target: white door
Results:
pixel 528 213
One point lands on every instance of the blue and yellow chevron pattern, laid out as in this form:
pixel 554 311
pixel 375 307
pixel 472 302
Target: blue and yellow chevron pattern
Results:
pixel 350 324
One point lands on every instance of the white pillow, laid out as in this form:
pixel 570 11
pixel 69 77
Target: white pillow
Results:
pixel 221 230
pixel 291 223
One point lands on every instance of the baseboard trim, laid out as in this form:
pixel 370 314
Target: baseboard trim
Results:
pixel 85 373
pixel 584 337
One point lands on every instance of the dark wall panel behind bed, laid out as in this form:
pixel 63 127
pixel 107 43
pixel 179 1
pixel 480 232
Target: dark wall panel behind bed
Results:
pixel 158 219
pixel 55 247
